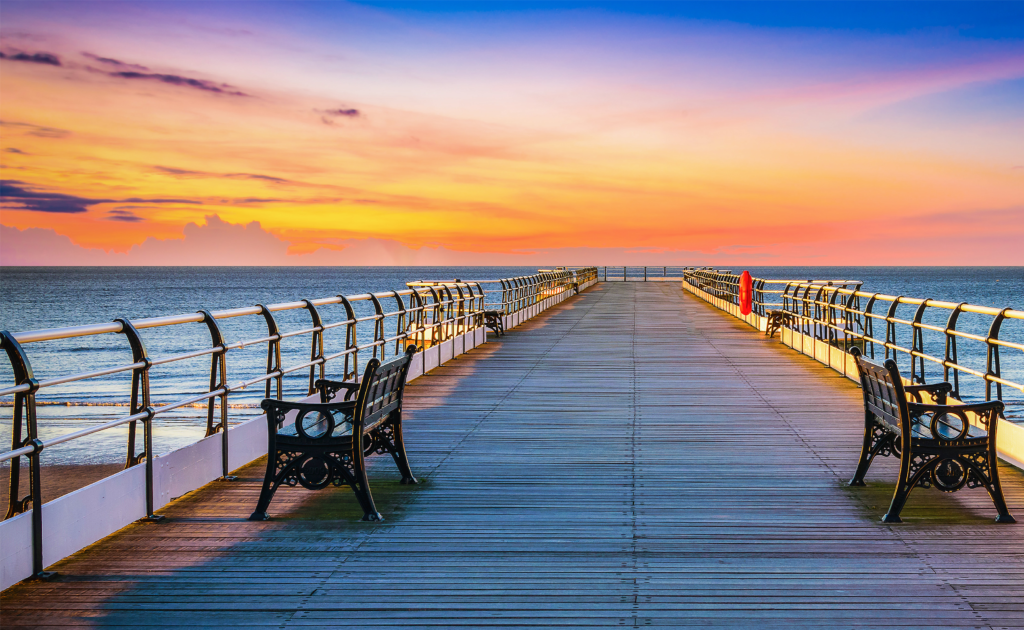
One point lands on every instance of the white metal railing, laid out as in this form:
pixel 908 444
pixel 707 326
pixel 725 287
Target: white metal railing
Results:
pixel 377 325
pixel 838 313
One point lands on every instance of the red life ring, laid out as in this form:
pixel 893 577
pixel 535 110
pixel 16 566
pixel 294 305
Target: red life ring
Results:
pixel 746 293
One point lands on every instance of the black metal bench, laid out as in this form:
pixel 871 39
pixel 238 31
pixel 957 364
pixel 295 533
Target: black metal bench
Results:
pixel 936 443
pixel 777 320
pixel 495 321
pixel 318 444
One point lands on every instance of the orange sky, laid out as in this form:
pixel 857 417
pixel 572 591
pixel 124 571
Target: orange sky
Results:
pixel 403 138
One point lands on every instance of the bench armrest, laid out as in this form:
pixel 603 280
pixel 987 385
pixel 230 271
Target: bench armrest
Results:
pixel 278 412
pixel 986 412
pixel 329 389
pixel 978 408
pixel 938 390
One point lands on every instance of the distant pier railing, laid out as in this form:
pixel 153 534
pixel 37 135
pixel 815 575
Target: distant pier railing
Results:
pixel 825 318
pixel 442 318
pixel 641 274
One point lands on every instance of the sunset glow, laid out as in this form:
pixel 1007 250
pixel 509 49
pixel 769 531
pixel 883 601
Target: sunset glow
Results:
pixel 151 133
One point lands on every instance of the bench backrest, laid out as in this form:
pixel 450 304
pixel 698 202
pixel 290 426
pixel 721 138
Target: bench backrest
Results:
pixel 883 391
pixel 381 389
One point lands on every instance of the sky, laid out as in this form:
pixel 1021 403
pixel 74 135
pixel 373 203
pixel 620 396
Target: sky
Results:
pixel 569 133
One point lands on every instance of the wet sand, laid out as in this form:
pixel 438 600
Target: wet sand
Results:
pixel 57 480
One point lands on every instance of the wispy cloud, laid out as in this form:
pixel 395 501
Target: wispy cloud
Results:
pixel 115 62
pixel 38 131
pixel 45 58
pixel 161 200
pixel 125 216
pixel 178 80
pixel 329 115
pixel 13 191
pixel 187 173
pixel 23 196
pixel 13 150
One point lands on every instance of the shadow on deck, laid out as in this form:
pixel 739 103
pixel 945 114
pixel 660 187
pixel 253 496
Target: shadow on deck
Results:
pixel 630 458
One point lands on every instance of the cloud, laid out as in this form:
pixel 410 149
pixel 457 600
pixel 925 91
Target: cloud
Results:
pixel 20 194
pixel 46 58
pixel 114 62
pixel 41 246
pixel 174 79
pixel 328 115
pixel 13 150
pixel 185 173
pixel 265 178
pixel 248 200
pixel 348 113
pixel 12 191
pixel 130 71
pixel 179 172
pixel 36 130
pixel 120 214
pixel 158 200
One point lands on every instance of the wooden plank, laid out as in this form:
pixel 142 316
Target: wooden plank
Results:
pixel 631 457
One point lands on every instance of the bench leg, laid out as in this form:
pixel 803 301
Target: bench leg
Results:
pixel 905 483
pixel 875 441
pixel 995 489
pixel 398 453
pixel 271 480
pixel 361 488
pixel 388 438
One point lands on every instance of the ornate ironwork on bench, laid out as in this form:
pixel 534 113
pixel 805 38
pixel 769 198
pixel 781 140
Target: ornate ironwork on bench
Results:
pixel 326 442
pixel 936 443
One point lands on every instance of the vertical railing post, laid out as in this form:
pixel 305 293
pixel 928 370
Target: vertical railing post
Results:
pixel 992 357
pixel 25 407
pixel 818 331
pixel 316 351
pixel 951 354
pixel 832 321
pixel 140 386
pixel 400 325
pixel 869 324
pixel 890 329
pixel 436 317
pixel 351 341
pixel 141 403
pixel 504 297
pixel 414 323
pixel 22 369
pixel 461 326
pixel 218 380
pixel 273 351
pixel 917 345
pixel 378 327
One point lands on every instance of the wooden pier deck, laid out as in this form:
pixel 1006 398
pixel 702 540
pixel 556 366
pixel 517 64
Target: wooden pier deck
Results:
pixel 632 457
